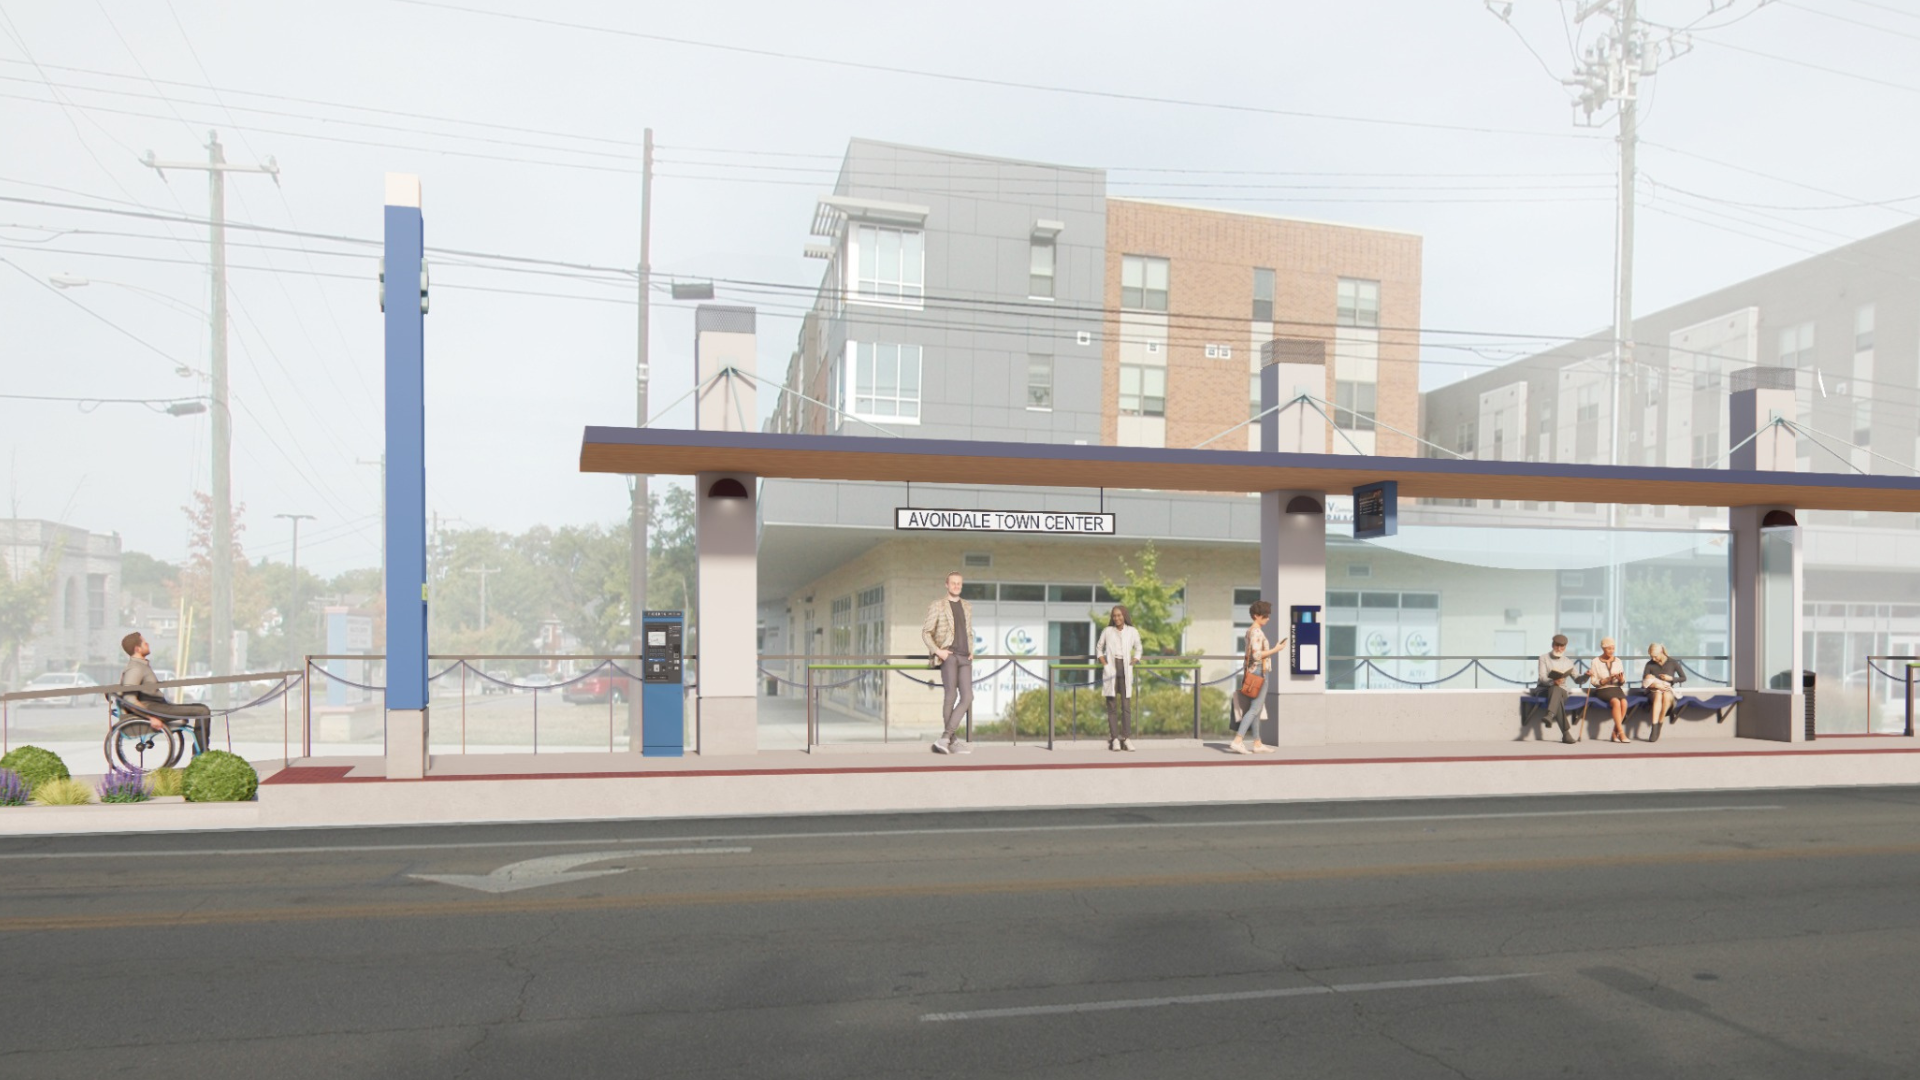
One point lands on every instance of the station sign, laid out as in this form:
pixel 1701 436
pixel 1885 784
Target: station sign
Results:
pixel 1047 522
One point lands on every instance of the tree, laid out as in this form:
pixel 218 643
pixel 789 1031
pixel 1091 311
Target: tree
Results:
pixel 1662 605
pixel 1149 602
pixel 671 550
pixel 25 595
pixel 195 582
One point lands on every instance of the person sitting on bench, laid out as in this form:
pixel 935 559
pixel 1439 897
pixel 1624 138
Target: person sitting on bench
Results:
pixel 146 691
pixel 1557 679
pixel 1660 676
pixel 1609 675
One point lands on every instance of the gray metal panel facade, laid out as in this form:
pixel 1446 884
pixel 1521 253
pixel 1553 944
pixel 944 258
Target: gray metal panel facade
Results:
pixel 978 327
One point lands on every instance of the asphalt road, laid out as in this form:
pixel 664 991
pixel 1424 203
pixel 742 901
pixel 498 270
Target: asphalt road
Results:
pixel 1745 935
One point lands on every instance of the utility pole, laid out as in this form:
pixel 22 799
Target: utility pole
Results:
pixel 483 571
pixel 216 168
pixel 637 512
pixel 294 612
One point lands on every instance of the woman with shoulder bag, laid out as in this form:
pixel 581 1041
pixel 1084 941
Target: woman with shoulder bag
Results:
pixel 1253 683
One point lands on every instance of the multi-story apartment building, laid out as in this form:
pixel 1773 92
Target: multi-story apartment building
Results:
pixel 971 297
pixel 1843 328
pixel 1197 299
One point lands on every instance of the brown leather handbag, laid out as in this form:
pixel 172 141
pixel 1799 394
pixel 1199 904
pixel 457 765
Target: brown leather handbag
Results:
pixel 1253 682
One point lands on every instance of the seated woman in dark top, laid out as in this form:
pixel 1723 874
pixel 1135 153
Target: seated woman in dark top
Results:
pixel 1660 676
pixel 1609 684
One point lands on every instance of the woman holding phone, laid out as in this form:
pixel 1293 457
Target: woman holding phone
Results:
pixel 1247 706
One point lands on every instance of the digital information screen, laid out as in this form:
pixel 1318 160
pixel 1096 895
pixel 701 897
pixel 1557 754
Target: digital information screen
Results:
pixel 1376 510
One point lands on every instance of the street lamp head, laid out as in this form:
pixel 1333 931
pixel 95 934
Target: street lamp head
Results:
pixel 69 281
pixel 186 408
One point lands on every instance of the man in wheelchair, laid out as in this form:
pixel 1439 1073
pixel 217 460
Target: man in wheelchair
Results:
pixel 147 702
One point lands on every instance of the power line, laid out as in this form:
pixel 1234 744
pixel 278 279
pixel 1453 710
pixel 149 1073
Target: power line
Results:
pixel 1809 65
pixel 979 80
pixel 1875 27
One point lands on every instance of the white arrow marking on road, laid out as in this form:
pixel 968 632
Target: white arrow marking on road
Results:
pixel 557 869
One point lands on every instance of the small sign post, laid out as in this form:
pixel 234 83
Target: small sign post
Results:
pixel 1376 510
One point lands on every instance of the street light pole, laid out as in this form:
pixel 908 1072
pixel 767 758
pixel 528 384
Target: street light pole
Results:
pixel 483 571
pixel 293 609
pixel 216 168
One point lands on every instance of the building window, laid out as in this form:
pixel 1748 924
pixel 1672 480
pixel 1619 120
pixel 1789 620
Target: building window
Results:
pixel 886 381
pixel 1040 268
pixel 1262 294
pixel 1040 382
pixel 870 639
pixel 1143 390
pixel 1706 447
pixel 1796 346
pixel 1253 396
pixel 1862 421
pixel 889 264
pixel 1466 439
pixel 96 601
pixel 1587 401
pixel 1359 302
pixel 1354 405
pixel 1143 283
pixel 1863 328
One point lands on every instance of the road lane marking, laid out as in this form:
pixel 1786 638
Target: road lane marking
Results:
pixel 965 830
pixel 1209 999
pixel 317 913
pixel 558 869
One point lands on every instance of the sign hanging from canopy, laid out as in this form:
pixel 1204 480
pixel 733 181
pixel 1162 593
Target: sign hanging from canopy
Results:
pixel 1052 522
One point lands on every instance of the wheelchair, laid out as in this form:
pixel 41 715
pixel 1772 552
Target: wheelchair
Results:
pixel 132 742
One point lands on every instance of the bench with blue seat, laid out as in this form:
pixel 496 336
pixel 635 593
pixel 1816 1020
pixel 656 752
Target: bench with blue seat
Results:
pixel 1637 698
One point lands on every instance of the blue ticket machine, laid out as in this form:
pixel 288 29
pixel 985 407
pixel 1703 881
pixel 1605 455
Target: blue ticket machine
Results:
pixel 1304 639
pixel 663 700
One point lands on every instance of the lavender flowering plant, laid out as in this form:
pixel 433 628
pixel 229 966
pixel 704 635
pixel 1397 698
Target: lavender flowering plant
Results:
pixel 13 790
pixel 124 786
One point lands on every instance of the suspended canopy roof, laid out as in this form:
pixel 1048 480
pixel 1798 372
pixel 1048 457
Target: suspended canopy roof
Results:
pixel 660 451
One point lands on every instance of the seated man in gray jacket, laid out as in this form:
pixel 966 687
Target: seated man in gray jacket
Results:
pixel 146 690
pixel 1557 680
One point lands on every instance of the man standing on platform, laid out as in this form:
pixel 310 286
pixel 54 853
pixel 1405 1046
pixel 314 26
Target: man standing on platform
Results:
pixel 948 633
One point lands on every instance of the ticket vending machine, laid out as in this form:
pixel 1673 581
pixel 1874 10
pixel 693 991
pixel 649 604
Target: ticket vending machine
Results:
pixel 663 700
pixel 1304 639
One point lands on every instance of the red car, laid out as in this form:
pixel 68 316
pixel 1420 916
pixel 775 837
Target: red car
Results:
pixel 594 689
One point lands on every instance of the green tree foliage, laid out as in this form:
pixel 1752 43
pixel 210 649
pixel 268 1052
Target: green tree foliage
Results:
pixel 26 595
pixel 1149 601
pixel 1662 605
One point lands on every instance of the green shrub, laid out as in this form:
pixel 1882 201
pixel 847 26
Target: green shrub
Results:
pixel 1159 709
pixel 36 766
pixel 166 782
pixel 217 776
pixel 63 792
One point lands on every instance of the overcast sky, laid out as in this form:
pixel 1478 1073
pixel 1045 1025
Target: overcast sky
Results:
pixel 526 134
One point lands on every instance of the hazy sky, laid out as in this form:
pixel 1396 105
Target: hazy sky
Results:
pixel 526 137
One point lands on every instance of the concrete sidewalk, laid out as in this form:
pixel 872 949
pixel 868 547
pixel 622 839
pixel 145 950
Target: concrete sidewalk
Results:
pixel 586 787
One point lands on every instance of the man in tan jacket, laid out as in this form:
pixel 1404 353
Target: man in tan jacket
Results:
pixel 948 633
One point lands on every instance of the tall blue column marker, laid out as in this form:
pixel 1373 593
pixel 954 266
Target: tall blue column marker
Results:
pixel 404 265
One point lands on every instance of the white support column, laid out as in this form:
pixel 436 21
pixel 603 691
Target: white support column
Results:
pixel 1766 585
pixel 1293 570
pixel 725 513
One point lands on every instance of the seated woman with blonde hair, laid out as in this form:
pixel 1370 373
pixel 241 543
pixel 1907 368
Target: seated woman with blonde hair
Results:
pixel 1660 676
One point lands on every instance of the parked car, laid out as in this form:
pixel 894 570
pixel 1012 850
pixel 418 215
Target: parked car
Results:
pixel 61 680
pixel 493 683
pixel 539 680
pixel 594 689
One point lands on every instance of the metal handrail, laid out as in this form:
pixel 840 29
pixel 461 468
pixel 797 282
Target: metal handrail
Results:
pixel 121 688
pixel 1912 674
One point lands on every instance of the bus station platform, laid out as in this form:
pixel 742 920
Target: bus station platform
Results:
pixel 477 788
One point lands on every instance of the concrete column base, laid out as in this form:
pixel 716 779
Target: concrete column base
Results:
pixel 1295 720
pixel 1775 716
pixel 729 725
pixel 406 744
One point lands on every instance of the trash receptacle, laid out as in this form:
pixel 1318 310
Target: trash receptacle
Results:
pixel 1806 687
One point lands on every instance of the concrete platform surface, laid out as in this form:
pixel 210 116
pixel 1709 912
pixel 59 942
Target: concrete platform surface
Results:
pixel 351 791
